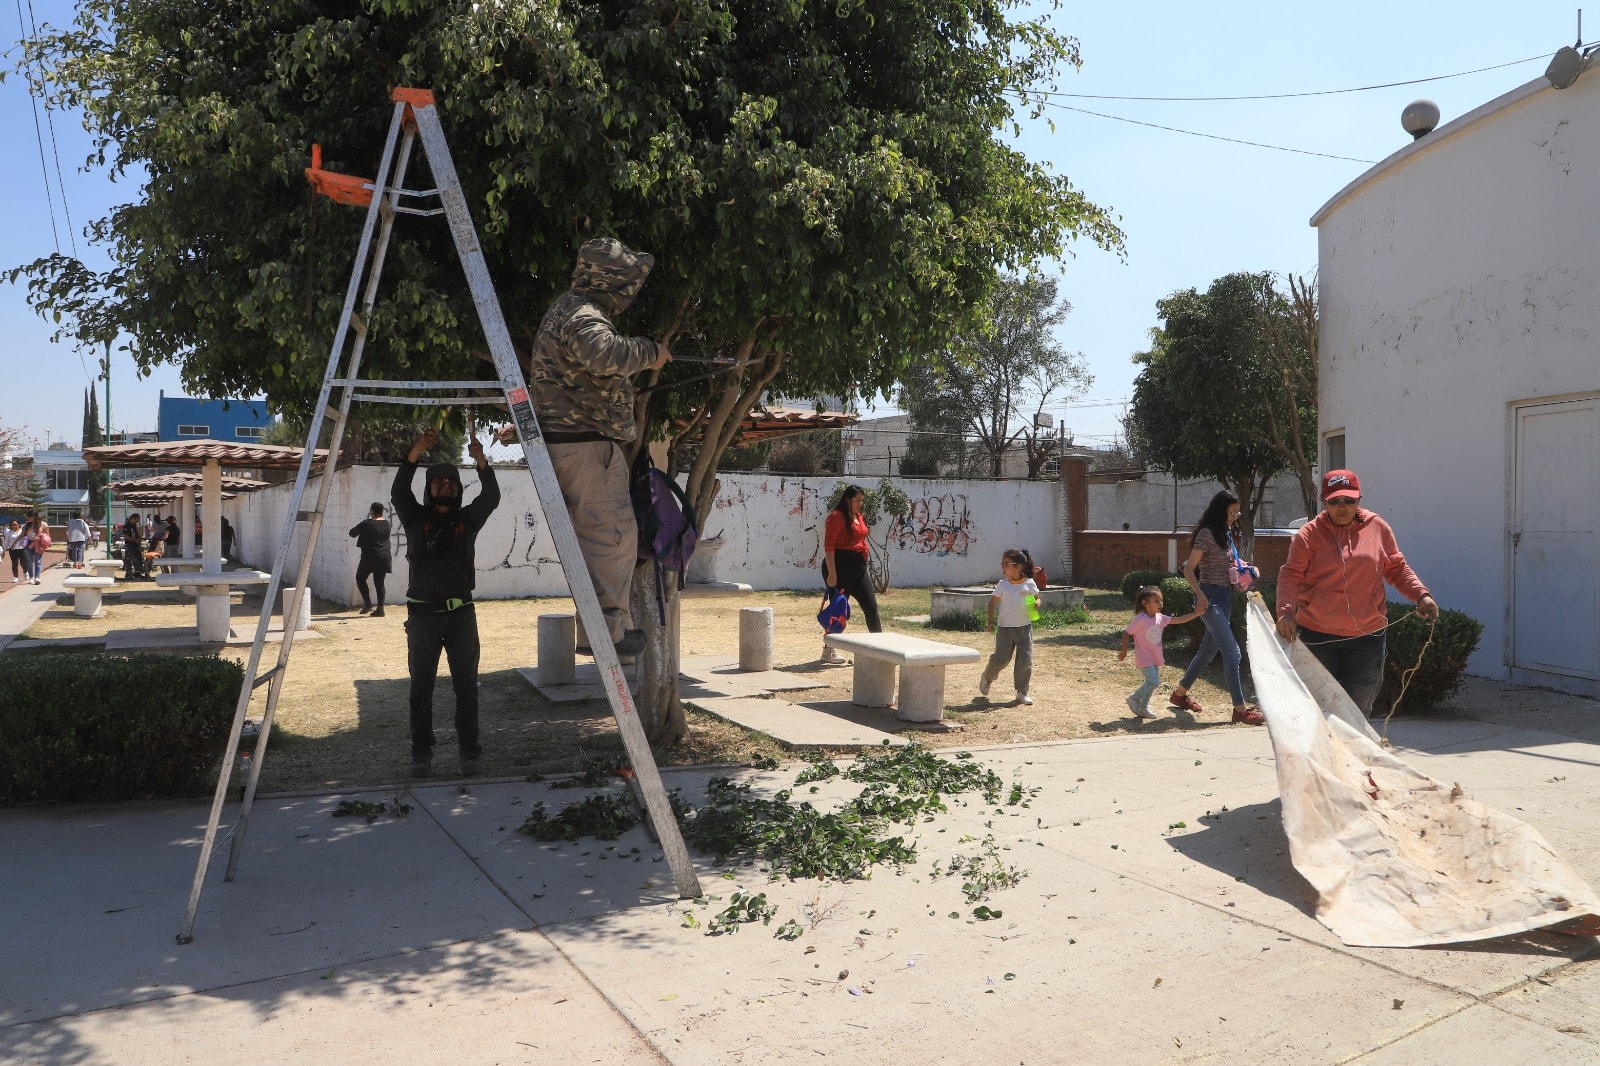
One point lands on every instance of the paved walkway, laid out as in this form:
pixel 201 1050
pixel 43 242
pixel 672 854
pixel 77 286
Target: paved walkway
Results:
pixel 1159 921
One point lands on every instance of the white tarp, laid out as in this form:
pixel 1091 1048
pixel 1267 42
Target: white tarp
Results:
pixel 1397 858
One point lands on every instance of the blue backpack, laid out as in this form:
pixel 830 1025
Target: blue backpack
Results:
pixel 667 533
pixel 835 611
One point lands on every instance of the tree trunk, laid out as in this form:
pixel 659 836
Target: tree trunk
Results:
pixel 659 704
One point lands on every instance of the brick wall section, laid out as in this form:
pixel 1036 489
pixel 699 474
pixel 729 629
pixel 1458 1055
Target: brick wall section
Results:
pixel 1101 557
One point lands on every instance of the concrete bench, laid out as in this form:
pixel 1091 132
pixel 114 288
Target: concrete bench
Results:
pixel 920 664
pixel 86 594
pixel 211 603
pixel 103 567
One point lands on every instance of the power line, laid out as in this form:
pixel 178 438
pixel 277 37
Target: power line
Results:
pixel 1290 96
pixel 1209 136
pixel 38 135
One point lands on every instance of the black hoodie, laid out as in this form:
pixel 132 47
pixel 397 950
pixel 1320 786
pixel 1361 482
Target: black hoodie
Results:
pixel 439 546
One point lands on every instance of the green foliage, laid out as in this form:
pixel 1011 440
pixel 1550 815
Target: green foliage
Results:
pixel 371 810
pixel 982 874
pixel 1135 580
pixel 742 909
pixel 825 179
pixel 604 816
pixel 903 786
pixel 72 735
pixel 1455 638
pixel 1214 390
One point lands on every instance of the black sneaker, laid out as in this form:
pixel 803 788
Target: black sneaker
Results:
pixel 377 612
pixel 470 767
pixel 422 767
pixel 364 610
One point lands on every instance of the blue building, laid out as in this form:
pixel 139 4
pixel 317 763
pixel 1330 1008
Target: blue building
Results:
pixel 185 418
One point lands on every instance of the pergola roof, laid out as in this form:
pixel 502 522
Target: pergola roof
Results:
pixel 156 499
pixel 764 423
pixel 176 483
pixel 198 453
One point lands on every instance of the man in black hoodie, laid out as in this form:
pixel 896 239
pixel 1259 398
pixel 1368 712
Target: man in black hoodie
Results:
pixel 440 533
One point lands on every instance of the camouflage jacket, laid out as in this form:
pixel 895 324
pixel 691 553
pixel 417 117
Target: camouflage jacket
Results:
pixel 579 375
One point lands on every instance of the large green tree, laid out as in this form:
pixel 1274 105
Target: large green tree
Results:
pixel 1213 394
pixel 825 185
pixel 992 381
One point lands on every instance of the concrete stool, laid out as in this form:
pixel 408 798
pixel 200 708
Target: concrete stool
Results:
pixel 302 623
pixel 86 594
pixel 558 637
pixel 755 638
pixel 103 567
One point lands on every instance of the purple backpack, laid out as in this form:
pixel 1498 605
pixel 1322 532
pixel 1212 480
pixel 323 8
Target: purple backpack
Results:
pixel 667 533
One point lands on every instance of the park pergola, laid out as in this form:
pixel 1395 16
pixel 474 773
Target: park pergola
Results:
pixel 209 456
pixel 163 489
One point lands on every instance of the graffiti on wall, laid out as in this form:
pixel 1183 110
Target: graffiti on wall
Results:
pixel 935 525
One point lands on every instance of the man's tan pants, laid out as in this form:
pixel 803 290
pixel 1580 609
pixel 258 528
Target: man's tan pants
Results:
pixel 594 483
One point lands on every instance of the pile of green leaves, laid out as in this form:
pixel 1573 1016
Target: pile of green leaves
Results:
pixel 1455 638
pixel 73 732
pixel 604 816
pixel 371 810
pixel 797 840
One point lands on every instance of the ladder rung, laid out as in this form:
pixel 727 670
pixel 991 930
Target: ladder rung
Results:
pixel 357 323
pixel 419 211
pixel 417 386
pixel 329 412
pixel 264 678
pixel 429 401
pixel 304 516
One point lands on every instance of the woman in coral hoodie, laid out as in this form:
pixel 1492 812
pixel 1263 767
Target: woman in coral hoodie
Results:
pixel 1330 592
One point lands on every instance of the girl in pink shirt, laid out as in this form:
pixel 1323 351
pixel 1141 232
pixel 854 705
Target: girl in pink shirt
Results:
pixel 1146 631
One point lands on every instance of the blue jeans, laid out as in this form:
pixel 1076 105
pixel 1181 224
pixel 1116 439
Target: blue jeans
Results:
pixel 35 561
pixel 1219 637
pixel 1355 662
pixel 1152 681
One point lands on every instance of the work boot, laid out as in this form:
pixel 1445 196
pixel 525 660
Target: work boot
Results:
pixel 377 612
pixel 422 766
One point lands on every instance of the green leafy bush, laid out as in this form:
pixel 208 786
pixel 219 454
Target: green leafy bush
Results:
pixel 101 728
pixel 1178 598
pixel 1455 638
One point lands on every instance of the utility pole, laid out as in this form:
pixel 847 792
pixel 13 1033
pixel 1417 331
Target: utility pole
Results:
pixel 107 376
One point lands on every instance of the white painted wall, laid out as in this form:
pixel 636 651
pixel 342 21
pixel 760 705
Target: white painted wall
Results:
pixel 1460 277
pixel 770 526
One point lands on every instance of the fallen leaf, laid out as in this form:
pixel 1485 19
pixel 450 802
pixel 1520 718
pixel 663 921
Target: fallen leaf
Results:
pixel 1399 1003
pixel 1157 984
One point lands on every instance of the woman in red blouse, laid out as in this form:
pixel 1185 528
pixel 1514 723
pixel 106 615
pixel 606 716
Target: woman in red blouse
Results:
pixel 844 563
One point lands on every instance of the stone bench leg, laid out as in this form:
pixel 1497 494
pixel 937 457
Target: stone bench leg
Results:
pixel 86 603
pixel 921 693
pixel 873 685
pixel 755 638
pixel 211 616
pixel 557 640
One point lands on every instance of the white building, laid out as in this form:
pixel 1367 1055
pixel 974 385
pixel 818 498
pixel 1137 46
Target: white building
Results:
pixel 1460 374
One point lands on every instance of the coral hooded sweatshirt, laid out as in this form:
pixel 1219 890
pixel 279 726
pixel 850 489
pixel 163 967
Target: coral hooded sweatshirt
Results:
pixel 1333 579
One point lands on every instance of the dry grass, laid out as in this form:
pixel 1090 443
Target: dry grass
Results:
pixel 342 716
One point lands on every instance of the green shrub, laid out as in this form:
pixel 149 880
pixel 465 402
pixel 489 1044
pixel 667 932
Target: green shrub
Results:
pixel 1455 638
pixel 1135 580
pixel 102 728
pixel 978 621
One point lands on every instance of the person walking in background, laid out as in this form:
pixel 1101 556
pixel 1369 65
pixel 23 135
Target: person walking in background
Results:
pixel 440 538
pixel 1145 633
pixel 174 540
pixel 11 543
pixel 1212 569
pixel 844 560
pixel 580 376
pixel 36 540
pixel 1012 609
pixel 1330 590
pixel 372 539
pixel 77 540
pixel 227 538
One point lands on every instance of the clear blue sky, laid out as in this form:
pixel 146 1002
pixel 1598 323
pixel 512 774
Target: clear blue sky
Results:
pixel 1193 208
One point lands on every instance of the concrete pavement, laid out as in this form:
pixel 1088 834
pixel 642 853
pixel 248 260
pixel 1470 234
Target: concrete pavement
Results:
pixel 1159 921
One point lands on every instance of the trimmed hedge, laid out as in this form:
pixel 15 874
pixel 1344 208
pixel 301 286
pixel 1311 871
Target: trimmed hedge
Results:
pixel 1455 638
pixel 76 728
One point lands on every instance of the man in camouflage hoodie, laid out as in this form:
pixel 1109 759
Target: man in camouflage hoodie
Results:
pixel 580 380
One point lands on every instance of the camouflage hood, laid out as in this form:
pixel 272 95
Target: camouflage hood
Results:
pixel 610 273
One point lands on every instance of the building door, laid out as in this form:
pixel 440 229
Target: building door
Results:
pixel 1554 539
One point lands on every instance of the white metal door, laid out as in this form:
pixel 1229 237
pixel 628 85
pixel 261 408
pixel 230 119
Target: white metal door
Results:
pixel 1554 539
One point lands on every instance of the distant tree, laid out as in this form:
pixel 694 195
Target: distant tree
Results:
pixel 993 379
pixel 1211 386
pixel 815 451
pixel 12 480
pixel 884 498
pixel 1290 327
pixel 93 437
pixel 35 495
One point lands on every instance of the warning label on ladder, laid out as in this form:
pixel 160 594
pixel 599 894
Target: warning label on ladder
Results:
pixel 522 414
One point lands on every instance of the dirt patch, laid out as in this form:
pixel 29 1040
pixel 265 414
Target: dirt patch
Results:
pixel 342 716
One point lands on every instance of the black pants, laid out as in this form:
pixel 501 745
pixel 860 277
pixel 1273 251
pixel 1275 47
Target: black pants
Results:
pixel 362 570
pixel 19 561
pixel 854 580
pixel 1355 662
pixel 456 634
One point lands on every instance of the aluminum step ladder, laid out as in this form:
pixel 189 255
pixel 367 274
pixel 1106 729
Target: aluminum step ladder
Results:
pixel 416 117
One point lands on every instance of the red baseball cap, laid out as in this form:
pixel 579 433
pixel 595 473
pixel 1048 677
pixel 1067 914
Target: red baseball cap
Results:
pixel 1340 483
